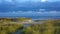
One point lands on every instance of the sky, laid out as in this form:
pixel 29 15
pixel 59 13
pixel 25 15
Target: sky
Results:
pixel 30 7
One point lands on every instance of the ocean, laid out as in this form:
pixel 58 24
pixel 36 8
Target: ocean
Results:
pixel 34 17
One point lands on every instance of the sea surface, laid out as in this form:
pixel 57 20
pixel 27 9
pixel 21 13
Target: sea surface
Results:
pixel 34 17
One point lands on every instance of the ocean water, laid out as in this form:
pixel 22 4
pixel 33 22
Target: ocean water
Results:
pixel 34 17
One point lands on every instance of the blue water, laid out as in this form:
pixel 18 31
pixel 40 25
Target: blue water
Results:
pixel 34 17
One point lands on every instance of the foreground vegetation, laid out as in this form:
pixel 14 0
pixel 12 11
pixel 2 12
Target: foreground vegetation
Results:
pixel 9 29
pixel 49 27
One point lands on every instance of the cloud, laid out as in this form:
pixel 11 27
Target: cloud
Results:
pixel 30 13
pixel 21 8
pixel 15 5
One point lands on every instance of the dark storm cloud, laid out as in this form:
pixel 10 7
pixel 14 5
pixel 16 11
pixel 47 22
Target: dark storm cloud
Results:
pixel 13 5
pixel 13 8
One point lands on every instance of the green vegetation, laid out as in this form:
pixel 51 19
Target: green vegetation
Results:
pixel 9 29
pixel 49 27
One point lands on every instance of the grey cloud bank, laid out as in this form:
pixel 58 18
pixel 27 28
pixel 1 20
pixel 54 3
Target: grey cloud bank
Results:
pixel 28 8
pixel 30 13
pixel 18 5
